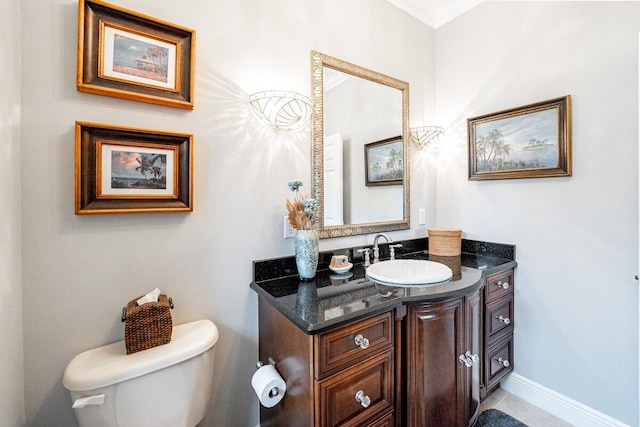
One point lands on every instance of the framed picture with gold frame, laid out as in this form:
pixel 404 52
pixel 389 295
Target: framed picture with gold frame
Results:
pixel 130 170
pixel 532 141
pixel 125 54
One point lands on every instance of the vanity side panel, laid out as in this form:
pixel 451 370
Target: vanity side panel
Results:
pixel 292 350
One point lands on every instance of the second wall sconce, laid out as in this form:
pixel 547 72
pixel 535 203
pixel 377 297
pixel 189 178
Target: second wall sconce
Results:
pixel 281 109
pixel 425 135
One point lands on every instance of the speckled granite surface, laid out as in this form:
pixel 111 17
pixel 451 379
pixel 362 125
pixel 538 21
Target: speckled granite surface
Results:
pixel 331 299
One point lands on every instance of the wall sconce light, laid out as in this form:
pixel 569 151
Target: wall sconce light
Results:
pixel 281 109
pixel 425 135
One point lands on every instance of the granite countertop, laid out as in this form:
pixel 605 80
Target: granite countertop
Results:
pixel 332 299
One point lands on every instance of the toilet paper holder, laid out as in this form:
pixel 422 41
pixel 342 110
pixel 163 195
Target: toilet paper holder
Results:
pixel 274 391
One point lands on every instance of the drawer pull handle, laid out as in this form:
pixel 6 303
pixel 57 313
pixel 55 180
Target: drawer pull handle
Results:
pixel 468 359
pixel 503 285
pixel 503 362
pixel 361 341
pixel 363 399
pixel 503 319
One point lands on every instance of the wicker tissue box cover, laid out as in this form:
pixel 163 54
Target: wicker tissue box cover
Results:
pixel 147 325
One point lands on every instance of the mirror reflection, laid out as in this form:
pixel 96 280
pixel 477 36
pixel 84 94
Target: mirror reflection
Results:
pixel 360 148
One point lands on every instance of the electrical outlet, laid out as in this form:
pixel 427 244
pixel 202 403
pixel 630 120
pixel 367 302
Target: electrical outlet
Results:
pixel 422 217
pixel 289 231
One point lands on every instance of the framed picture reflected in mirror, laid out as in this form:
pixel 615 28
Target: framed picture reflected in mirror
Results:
pixel 384 162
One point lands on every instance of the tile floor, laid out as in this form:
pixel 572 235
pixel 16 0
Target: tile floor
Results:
pixel 518 408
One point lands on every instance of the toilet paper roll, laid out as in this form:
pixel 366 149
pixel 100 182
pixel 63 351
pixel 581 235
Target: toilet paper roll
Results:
pixel 268 385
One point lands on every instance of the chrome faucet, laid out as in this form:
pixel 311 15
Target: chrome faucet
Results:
pixel 376 250
pixel 365 252
pixel 392 250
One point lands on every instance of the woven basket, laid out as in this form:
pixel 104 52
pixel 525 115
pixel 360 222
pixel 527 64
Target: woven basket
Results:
pixel 147 325
pixel 445 241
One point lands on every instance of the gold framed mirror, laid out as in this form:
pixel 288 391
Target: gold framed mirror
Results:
pixel 360 135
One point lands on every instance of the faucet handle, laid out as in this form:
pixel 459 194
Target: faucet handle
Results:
pixel 365 251
pixel 392 250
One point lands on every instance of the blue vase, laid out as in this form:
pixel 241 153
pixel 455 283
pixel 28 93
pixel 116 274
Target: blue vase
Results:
pixel 306 247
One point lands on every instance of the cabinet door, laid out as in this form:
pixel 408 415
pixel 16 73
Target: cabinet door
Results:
pixel 471 393
pixel 443 364
pixel 434 375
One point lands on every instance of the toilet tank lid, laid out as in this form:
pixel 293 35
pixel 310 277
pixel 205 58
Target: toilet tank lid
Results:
pixel 110 364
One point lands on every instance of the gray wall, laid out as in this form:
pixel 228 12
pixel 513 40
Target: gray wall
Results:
pixel 11 368
pixel 80 270
pixel 577 237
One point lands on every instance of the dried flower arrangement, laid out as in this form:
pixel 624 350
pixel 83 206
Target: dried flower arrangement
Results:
pixel 302 210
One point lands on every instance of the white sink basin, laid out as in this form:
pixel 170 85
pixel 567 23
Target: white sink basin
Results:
pixel 408 272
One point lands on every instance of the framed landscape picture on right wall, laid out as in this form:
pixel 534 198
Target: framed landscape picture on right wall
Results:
pixel 532 141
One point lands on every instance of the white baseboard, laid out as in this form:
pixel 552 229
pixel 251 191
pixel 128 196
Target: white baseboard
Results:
pixel 557 404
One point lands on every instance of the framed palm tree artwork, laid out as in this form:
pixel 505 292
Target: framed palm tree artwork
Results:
pixel 532 141
pixel 129 55
pixel 383 162
pixel 129 170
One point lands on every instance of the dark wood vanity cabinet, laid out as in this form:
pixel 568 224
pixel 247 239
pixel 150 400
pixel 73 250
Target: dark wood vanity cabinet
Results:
pixel 498 330
pixel 442 370
pixel 415 365
pixel 355 353
pixel 422 362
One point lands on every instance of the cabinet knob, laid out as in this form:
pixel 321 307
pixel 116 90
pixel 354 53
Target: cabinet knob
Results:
pixel 468 359
pixel 503 319
pixel 503 285
pixel 361 341
pixel 363 399
pixel 503 362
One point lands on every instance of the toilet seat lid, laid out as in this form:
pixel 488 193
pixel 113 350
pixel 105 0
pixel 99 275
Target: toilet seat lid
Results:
pixel 110 364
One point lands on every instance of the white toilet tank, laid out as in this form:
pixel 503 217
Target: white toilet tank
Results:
pixel 168 385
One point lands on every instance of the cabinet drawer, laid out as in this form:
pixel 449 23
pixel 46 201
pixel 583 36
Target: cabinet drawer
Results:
pixel 371 381
pixel 385 421
pixel 499 316
pixel 499 285
pixel 350 344
pixel 499 361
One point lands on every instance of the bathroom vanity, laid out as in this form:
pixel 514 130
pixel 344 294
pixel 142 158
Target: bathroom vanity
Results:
pixel 356 353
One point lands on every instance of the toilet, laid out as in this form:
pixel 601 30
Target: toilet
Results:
pixel 167 385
